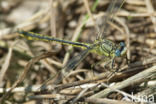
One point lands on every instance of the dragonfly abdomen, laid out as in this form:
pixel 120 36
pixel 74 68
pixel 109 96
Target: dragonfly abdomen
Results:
pixel 35 36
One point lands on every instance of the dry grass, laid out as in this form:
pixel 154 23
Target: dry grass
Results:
pixel 29 70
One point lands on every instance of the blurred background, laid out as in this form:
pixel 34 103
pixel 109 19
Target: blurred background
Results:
pixel 134 23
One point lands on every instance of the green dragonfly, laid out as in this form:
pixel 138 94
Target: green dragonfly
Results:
pixel 101 46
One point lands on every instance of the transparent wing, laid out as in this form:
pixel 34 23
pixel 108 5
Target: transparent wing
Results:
pixel 74 62
pixel 114 6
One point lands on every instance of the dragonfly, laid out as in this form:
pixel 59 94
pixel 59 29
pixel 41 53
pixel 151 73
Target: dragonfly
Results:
pixel 100 46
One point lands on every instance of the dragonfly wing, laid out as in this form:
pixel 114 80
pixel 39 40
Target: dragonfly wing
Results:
pixel 74 62
pixel 71 64
pixel 114 6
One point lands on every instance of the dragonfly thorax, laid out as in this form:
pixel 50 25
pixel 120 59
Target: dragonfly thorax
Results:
pixel 110 49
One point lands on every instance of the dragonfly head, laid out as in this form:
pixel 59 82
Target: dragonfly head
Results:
pixel 121 50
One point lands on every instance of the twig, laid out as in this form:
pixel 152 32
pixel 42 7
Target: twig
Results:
pixel 140 77
pixel 107 101
pixel 22 76
pixel 6 63
pixel 150 9
pixel 90 14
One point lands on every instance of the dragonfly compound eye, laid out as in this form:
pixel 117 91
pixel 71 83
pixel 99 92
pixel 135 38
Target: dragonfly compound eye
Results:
pixel 122 44
pixel 117 52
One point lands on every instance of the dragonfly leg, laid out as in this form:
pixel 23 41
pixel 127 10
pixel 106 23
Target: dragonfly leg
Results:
pixel 107 63
pixel 112 63
pixel 95 64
